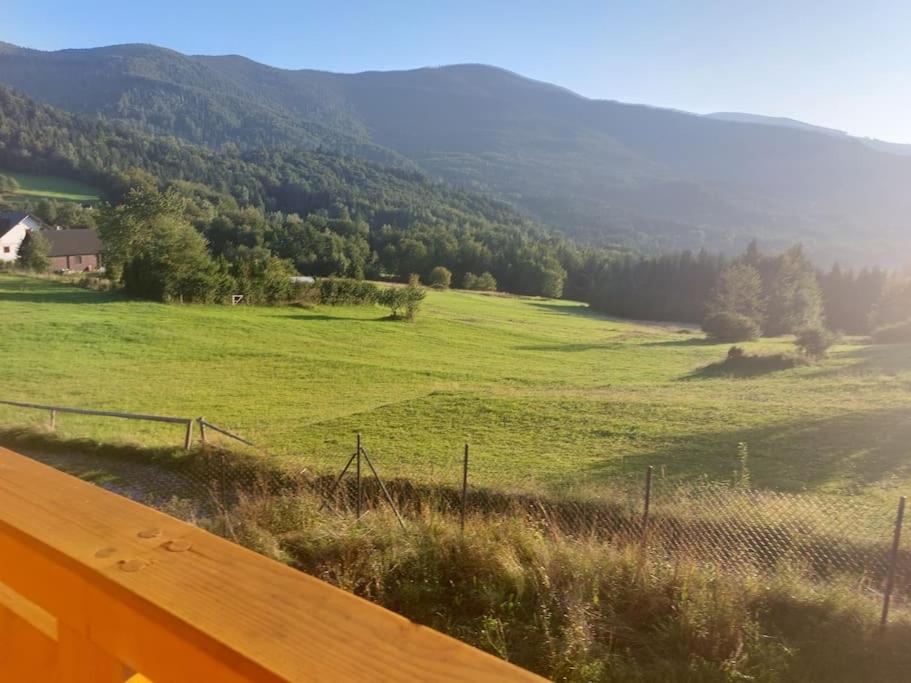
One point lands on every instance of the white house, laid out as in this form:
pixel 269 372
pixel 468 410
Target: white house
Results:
pixel 13 227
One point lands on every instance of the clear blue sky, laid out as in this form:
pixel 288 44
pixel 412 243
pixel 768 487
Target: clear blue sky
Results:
pixel 844 64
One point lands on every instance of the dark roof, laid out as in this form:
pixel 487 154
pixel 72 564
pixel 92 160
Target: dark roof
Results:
pixel 10 219
pixel 80 242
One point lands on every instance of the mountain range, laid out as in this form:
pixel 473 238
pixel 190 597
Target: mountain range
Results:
pixel 600 171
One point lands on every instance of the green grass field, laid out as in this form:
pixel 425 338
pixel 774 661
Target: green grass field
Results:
pixel 51 187
pixel 549 394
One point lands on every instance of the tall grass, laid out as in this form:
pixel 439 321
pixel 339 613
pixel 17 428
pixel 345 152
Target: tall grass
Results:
pixel 578 608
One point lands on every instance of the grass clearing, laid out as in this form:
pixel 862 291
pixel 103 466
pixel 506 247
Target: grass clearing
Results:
pixel 51 187
pixel 549 394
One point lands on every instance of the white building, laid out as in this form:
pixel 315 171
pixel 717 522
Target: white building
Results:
pixel 13 227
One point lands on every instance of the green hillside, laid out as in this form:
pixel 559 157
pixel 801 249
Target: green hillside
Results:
pixel 50 187
pixel 549 394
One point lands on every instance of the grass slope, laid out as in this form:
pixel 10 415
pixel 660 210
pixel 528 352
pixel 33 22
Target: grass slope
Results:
pixel 52 187
pixel 549 394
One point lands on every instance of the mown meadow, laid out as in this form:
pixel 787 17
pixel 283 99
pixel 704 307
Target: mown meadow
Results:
pixel 51 187
pixel 549 394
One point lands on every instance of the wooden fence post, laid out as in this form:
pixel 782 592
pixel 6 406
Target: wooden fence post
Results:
pixel 188 438
pixel 464 488
pixel 53 420
pixel 202 430
pixel 893 560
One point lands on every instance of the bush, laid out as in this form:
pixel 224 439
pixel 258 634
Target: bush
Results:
pixel 815 341
pixel 8 184
pixel 404 302
pixel 730 327
pixel 334 291
pixel 440 278
pixel 33 253
pixel 484 282
pixel 898 333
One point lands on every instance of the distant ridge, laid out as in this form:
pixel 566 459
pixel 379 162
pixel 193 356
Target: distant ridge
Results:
pixel 599 170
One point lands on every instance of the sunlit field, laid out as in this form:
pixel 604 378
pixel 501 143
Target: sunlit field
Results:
pixel 549 394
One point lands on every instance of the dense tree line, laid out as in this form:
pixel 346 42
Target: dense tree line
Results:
pixel 780 294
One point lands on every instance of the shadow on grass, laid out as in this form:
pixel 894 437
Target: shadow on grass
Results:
pixel 691 341
pixel 888 359
pixel 61 294
pixel 582 311
pixel 747 366
pixel 849 451
pixel 322 317
pixel 574 348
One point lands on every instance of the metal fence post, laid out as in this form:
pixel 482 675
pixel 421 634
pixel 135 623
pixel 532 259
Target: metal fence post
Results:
pixel 893 560
pixel 647 503
pixel 464 489
pixel 358 504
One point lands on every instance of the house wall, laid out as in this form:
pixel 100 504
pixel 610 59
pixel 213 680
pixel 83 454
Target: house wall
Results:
pixel 9 243
pixel 77 263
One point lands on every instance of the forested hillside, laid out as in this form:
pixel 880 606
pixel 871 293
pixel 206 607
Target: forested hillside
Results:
pixel 329 214
pixel 603 171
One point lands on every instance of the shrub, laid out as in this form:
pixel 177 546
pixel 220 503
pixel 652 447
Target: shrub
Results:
pixel 33 253
pixel 440 278
pixel 898 333
pixel 334 291
pixel 403 302
pixel 8 184
pixel 484 282
pixel 815 340
pixel 735 353
pixel 730 327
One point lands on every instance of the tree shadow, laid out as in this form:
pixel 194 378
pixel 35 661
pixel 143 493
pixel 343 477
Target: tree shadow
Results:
pixel 574 348
pixel 746 367
pixel 322 317
pixel 582 311
pixel 690 341
pixel 850 451
pixel 62 294
pixel 886 359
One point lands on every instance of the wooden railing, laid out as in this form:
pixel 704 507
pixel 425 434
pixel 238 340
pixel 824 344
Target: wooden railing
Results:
pixel 96 588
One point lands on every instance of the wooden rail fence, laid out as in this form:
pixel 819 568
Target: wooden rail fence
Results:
pixel 97 588
pixel 53 410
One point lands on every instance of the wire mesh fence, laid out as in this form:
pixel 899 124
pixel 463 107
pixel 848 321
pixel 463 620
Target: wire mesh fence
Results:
pixel 728 525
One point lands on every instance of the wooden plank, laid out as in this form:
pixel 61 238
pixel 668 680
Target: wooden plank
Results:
pixel 214 611
pixel 28 611
pixel 26 652
pixel 100 413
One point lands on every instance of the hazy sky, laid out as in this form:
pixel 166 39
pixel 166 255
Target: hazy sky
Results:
pixel 841 64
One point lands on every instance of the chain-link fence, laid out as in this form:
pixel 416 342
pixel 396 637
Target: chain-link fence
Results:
pixel 727 525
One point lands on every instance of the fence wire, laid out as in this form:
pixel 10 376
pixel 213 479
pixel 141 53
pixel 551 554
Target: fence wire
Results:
pixel 725 525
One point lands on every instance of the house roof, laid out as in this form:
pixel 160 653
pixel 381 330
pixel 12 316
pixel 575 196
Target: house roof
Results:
pixel 9 220
pixel 78 242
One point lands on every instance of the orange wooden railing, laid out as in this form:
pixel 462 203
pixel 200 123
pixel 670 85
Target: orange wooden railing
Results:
pixel 96 588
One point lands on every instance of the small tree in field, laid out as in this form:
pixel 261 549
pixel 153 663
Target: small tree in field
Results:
pixel 730 327
pixel 33 252
pixel 815 341
pixel 440 278
pixel 484 282
pixel 414 295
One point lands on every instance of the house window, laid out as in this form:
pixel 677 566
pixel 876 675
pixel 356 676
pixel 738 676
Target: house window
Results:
pixel 6 250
